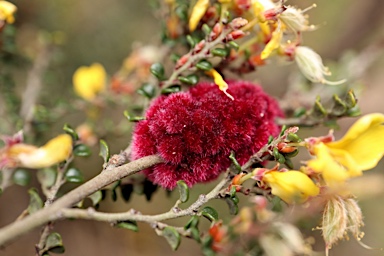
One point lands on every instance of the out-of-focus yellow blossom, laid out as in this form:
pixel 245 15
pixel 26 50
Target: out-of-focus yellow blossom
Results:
pixel 89 81
pixel 359 150
pixel 219 81
pixel 291 186
pixel 197 13
pixel 273 44
pixel 54 151
pixel 7 10
pixel 311 65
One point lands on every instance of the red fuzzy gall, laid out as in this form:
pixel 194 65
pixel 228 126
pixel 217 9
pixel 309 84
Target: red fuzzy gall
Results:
pixel 195 131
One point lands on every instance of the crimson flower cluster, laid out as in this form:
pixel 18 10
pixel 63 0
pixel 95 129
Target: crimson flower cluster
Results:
pixel 195 131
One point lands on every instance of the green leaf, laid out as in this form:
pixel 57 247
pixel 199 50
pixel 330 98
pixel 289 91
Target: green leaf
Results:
pixel 21 177
pixel 171 89
pixel 206 29
pixel 172 236
pixel 318 109
pixel 191 79
pixel 289 164
pixel 351 99
pixel 234 45
pixel 195 234
pixel 220 52
pixel 291 154
pixel 82 150
pixel 353 112
pixel 69 130
pixel 277 204
pixel 128 224
pixel 299 112
pixel 233 208
pixel 147 90
pixel 204 65
pixel 190 41
pixel 293 137
pixel 96 197
pixel 283 129
pixel 192 223
pixel 54 243
pixel 74 175
pixel 35 202
pixel 157 70
pixel 210 213
pixel 234 162
pixel 339 106
pixel 47 177
pixel 104 151
pixel 133 118
pixel 183 191
pixel 233 191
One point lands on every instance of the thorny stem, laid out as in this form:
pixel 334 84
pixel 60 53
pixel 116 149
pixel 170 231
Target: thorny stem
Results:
pixel 53 212
pixel 195 58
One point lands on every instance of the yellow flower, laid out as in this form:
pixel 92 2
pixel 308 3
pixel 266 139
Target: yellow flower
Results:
pixel 273 44
pixel 198 12
pixel 219 81
pixel 54 151
pixel 291 186
pixel 89 81
pixel 359 150
pixel 7 11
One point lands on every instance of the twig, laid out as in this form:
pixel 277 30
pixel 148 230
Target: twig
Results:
pixel 194 58
pixel 91 214
pixel 53 212
pixel 34 85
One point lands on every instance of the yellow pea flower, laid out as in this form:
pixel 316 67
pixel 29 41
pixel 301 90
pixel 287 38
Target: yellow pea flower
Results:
pixel 359 150
pixel 291 186
pixel 273 44
pixel 198 12
pixel 219 81
pixel 7 11
pixel 54 151
pixel 89 81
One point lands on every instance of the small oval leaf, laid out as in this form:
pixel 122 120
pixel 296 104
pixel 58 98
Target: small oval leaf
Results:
pixel 172 236
pixel 69 130
pixel 192 223
pixel 157 70
pixel 147 90
pixel 35 202
pixel 96 197
pixel 232 204
pixel 21 177
pixel 171 89
pixel 104 151
pixel 47 177
pixel 128 224
pixel 82 150
pixel 204 65
pixel 183 190
pixel 74 175
pixel 210 213
pixel 54 243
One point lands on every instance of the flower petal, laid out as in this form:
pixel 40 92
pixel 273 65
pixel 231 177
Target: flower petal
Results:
pixel 54 151
pixel 364 141
pixel 89 81
pixel 219 81
pixel 198 12
pixel 291 186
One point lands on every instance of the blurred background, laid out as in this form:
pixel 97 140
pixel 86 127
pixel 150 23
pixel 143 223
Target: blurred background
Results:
pixel 106 32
